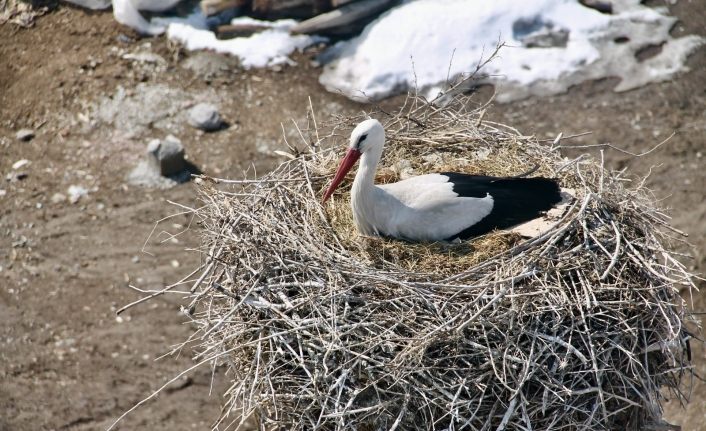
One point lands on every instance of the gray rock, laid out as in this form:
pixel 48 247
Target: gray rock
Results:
pixel 209 65
pixel 145 175
pixel 167 156
pixel 24 135
pixel 91 4
pixel 205 116
pixel 164 165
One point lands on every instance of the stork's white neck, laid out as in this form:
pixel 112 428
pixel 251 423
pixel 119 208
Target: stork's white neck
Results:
pixel 362 199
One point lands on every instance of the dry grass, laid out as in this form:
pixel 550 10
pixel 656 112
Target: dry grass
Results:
pixel 580 328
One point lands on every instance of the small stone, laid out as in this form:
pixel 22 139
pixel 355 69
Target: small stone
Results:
pixel 167 156
pixel 20 163
pixel 205 116
pixel 16 176
pixel 76 193
pixel 24 135
pixel 21 242
pixel 58 198
pixel 135 259
pixel 179 384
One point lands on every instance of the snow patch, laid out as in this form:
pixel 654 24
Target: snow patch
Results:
pixel 267 48
pixel 551 44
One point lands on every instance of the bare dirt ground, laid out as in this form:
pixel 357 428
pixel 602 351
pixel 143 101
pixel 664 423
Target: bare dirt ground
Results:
pixel 66 361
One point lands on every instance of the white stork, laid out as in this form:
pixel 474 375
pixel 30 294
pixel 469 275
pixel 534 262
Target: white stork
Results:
pixel 435 207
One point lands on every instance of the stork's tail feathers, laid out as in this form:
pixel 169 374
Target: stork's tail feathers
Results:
pixel 515 200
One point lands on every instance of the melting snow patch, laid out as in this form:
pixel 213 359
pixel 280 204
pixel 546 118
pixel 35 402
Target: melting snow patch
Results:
pixel 551 45
pixel 267 48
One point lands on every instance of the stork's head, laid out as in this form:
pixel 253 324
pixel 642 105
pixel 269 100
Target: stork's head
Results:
pixel 367 137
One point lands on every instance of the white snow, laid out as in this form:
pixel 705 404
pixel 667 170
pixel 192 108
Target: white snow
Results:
pixel 550 45
pixel 267 48
pixel 126 12
pixel 421 43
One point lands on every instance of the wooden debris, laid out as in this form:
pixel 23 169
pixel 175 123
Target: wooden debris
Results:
pixel 213 7
pixel 238 30
pixel 601 6
pixel 298 9
pixel 346 19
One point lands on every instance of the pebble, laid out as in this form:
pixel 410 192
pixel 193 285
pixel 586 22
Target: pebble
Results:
pixel 167 156
pixel 76 193
pixel 17 176
pixel 57 198
pixel 24 135
pixel 20 163
pixel 205 116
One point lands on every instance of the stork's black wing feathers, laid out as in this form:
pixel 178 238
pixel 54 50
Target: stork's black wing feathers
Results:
pixel 515 200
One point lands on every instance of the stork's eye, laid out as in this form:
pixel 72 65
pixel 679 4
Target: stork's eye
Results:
pixel 361 139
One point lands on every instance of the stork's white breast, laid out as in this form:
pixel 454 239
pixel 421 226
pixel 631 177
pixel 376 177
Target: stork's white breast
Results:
pixel 425 208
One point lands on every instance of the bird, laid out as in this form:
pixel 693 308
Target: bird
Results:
pixel 438 207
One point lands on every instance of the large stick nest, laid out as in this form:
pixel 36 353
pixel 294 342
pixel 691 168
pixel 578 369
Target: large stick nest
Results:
pixel 581 327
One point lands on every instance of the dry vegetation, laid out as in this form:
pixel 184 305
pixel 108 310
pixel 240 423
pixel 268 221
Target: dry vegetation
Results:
pixel 581 327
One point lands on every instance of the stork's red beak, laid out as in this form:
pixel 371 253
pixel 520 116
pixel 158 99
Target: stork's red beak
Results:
pixel 347 163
